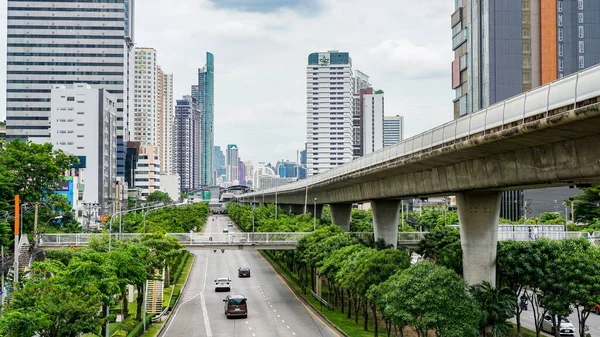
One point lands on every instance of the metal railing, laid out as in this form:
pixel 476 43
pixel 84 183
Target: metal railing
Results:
pixel 291 239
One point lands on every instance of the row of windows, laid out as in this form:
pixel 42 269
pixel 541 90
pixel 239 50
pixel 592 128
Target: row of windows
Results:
pixel 26 118
pixel 30 72
pixel 65 9
pixel 60 82
pixel 75 1
pixel 66 54
pixel 64 27
pixel 55 45
pixel 28 127
pixel 26 109
pixel 67 64
pixel 54 36
pixel 60 18
pixel 28 99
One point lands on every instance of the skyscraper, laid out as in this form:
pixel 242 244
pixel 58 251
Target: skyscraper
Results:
pixel 330 87
pixel 231 162
pixel 186 144
pixel 204 93
pixel 393 130
pixel 61 42
pixel 371 107
pixel 147 95
pixel 504 48
pixel 169 123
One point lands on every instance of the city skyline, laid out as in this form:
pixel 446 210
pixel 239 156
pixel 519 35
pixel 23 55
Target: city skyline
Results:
pixel 263 92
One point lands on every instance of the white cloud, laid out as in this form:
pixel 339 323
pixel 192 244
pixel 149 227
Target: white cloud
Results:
pixel 260 61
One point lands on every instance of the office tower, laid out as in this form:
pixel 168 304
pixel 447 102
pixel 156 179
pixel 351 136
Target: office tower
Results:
pixel 329 82
pixel 393 130
pixel 241 173
pixel 169 120
pixel 231 162
pixel 147 172
pixel 204 93
pixel 361 81
pixel 146 97
pixel 505 48
pixel 186 144
pixel 286 169
pixel 65 42
pixel 371 105
pixel 161 122
pixel 302 169
pixel 84 125
pixel 131 160
pixel 249 170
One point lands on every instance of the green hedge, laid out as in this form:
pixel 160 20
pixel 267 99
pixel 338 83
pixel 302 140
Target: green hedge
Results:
pixel 179 269
pixel 139 328
pixel 176 294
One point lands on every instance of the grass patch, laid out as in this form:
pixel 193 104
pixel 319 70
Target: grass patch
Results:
pixel 112 327
pixel 153 330
pixel 524 332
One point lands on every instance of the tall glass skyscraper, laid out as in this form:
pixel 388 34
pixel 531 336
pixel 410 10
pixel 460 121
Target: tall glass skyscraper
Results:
pixel 204 93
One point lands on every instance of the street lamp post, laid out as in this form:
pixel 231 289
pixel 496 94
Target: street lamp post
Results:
pixel 253 217
pixel 121 213
pixel 276 203
pixel 315 216
pixel 36 235
pixel 151 209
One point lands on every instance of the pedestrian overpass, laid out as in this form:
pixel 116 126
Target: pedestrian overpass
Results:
pixel 287 240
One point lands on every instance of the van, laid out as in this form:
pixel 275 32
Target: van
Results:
pixel 235 306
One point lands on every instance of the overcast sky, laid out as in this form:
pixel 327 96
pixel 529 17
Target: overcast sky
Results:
pixel 261 49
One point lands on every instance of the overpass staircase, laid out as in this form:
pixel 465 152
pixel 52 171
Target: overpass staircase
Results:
pixel 155 292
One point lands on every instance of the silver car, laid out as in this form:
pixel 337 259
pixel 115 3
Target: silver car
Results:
pixel 223 284
pixel 566 327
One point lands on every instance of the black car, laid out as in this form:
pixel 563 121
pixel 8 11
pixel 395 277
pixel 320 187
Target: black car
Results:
pixel 244 272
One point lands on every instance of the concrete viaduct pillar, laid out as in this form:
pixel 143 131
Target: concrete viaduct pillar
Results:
pixel 341 215
pixel 297 209
pixel 478 214
pixel 386 213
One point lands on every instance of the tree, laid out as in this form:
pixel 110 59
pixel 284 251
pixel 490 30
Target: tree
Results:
pixel 587 204
pixel 497 306
pixel 37 169
pixel 431 297
pixel 22 323
pixel 552 218
pixel 442 244
pixel 158 197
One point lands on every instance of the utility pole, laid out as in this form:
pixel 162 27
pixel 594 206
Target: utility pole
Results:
pixel 2 295
pixel 16 254
pixel 35 226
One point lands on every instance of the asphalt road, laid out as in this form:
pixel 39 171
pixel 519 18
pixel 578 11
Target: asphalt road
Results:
pixel 593 322
pixel 273 310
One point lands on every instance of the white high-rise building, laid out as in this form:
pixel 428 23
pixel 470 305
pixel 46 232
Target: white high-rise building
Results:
pixel 145 97
pixel 232 160
pixel 361 81
pixel 330 88
pixel 393 130
pixel 61 43
pixel 169 120
pixel 84 125
pixel 372 120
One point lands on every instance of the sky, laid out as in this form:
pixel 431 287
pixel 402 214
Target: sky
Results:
pixel 261 50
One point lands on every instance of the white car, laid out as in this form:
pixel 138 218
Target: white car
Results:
pixel 223 284
pixel 566 327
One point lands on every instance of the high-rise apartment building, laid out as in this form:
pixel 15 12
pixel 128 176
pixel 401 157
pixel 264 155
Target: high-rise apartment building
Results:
pixel 330 87
pixel 504 48
pixel 393 130
pixel 61 43
pixel 232 159
pixel 241 173
pixel 168 124
pixel 147 171
pixel 146 97
pixel 371 109
pixel 84 124
pixel 249 170
pixel 186 144
pixel 161 122
pixel 204 93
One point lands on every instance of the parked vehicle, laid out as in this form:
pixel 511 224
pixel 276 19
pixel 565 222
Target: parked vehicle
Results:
pixel 244 272
pixel 235 305
pixel 225 230
pixel 566 327
pixel 223 284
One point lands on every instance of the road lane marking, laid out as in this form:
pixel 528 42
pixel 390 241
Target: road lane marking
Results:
pixel 299 301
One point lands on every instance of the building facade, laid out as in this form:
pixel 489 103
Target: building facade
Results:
pixel 146 97
pixel 330 87
pixel 372 110
pixel 393 130
pixel 61 43
pixel 186 144
pixel 241 173
pixel 505 48
pixel 204 93
pixel 169 121
pixel 232 158
pixel 84 124
pixel 147 171
pixel 169 183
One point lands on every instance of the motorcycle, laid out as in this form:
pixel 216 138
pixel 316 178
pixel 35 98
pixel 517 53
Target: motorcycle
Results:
pixel 523 305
